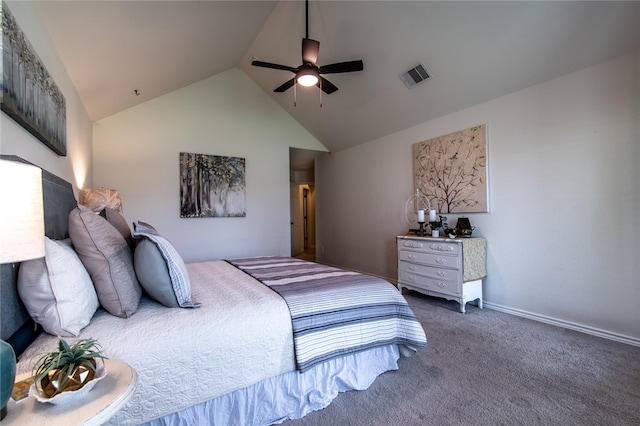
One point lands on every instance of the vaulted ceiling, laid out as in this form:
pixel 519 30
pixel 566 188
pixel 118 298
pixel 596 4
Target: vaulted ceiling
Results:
pixel 475 51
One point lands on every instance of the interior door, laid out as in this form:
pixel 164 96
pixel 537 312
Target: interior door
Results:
pixel 295 219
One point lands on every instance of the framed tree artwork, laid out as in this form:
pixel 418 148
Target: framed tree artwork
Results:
pixel 451 170
pixel 29 95
pixel 212 186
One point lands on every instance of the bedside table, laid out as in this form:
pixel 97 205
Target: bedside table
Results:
pixel 102 402
pixel 452 268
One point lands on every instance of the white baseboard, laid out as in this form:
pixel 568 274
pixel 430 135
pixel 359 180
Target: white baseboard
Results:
pixel 536 317
pixel 565 324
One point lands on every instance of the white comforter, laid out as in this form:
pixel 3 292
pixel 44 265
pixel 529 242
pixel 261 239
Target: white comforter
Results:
pixel 187 356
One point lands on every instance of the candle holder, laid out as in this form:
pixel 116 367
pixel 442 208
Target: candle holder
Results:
pixel 422 232
pixel 416 203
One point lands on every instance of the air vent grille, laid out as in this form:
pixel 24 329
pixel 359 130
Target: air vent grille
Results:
pixel 414 75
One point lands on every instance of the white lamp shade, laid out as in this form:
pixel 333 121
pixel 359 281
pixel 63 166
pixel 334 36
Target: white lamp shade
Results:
pixel 22 212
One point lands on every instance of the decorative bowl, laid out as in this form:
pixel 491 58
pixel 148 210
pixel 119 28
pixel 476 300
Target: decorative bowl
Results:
pixel 69 397
pixel 463 232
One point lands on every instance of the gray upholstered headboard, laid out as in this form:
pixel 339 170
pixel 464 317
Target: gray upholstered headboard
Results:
pixel 16 327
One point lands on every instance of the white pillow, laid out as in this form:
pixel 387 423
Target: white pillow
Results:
pixel 57 290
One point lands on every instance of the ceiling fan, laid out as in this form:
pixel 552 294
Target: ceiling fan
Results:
pixel 309 74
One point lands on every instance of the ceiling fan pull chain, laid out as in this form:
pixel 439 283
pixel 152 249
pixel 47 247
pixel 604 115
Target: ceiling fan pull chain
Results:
pixel 320 86
pixel 294 93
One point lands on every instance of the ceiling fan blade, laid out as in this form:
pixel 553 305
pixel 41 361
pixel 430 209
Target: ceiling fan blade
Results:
pixel 273 66
pixel 285 86
pixel 326 86
pixel 349 66
pixel 310 50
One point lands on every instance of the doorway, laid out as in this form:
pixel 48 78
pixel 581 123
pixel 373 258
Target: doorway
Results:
pixel 303 238
pixel 303 202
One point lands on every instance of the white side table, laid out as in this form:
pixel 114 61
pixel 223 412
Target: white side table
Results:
pixel 102 402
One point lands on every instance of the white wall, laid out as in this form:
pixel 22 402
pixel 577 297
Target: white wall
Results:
pixel 563 228
pixel 137 152
pixel 15 140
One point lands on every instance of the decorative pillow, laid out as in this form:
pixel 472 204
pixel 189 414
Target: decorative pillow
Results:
pixel 57 290
pixel 107 257
pixel 119 222
pixel 160 268
pixel 98 198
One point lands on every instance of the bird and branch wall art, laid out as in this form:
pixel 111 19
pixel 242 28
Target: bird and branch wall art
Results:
pixel 451 170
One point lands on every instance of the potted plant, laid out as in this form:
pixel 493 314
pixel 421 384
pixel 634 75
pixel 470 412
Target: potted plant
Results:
pixel 68 368
pixel 436 225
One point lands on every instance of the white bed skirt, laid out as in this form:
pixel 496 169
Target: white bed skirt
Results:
pixel 290 395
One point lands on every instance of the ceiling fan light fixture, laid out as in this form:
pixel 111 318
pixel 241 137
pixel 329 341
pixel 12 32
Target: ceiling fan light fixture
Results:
pixel 309 74
pixel 307 77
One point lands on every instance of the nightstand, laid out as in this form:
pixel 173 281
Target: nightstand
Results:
pixel 452 268
pixel 102 402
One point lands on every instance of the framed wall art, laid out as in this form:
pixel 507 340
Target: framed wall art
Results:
pixel 451 170
pixel 29 94
pixel 212 186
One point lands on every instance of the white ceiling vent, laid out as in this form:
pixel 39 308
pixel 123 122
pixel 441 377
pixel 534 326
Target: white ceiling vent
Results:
pixel 414 75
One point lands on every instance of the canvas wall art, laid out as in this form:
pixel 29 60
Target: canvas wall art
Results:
pixel 212 186
pixel 29 94
pixel 451 170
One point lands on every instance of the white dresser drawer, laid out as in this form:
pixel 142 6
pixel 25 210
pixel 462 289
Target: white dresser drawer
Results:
pixel 427 283
pixel 430 246
pixel 430 271
pixel 434 259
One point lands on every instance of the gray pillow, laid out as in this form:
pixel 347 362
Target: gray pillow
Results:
pixel 108 259
pixel 153 273
pixel 119 222
pixel 160 268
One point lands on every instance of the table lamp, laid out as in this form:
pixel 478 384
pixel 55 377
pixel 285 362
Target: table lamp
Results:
pixel 21 238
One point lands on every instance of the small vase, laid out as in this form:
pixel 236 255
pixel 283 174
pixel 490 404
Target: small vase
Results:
pixel 435 233
pixel 7 374
pixel 56 382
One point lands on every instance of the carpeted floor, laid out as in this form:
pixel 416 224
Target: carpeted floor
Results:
pixel 490 368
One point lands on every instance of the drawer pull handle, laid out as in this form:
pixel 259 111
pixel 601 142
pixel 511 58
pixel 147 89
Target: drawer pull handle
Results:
pixel 442 274
pixel 412 268
pixel 441 284
pixel 441 247
pixel 441 261
pixel 412 278
pixel 412 245
pixel 412 256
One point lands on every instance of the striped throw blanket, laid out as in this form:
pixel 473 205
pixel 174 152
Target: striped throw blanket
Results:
pixel 335 311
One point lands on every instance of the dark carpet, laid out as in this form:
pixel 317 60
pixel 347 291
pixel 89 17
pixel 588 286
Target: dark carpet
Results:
pixel 490 368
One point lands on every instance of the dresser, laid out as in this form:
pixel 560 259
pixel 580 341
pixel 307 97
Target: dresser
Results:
pixel 452 268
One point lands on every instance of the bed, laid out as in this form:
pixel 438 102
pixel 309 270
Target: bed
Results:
pixel 250 341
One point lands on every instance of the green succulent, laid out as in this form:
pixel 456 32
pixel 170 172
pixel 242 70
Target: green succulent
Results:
pixel 66 358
